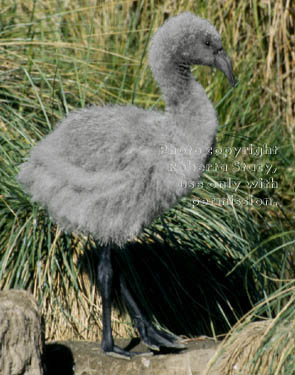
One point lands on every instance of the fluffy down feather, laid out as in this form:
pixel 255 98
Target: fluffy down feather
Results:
pixel 110 170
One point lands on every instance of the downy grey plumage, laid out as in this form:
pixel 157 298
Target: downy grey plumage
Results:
pixel 110 170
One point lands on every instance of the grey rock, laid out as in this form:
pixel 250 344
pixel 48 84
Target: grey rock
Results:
pixel 21 341
pixel 88 359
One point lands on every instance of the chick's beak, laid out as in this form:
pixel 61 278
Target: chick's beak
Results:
pixel 223 63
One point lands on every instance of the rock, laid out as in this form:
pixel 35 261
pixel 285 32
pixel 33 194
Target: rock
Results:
pixel 86 358
pixel 21 342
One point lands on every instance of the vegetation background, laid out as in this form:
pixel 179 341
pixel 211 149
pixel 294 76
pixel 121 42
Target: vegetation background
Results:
pixel 221 259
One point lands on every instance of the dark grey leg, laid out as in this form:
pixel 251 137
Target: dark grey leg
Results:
pixel 150 336
pixel 105 279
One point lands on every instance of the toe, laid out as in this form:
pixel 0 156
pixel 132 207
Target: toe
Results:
pixel 162 339
pixel 117 352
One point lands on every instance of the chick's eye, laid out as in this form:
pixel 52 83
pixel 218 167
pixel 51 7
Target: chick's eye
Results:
pixel 207 42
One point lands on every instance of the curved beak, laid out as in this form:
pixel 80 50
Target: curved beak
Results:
pixel 223 63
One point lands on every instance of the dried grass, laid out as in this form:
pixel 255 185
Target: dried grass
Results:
pixel 265 347
pixel 247 352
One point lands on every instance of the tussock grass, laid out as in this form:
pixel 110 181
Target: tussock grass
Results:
pixel 265 346
pixel 221 251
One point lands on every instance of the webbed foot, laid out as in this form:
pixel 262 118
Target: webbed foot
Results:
pixel 117 352
pixel 154 339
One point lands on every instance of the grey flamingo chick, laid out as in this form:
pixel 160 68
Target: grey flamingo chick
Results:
pixel 109 171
